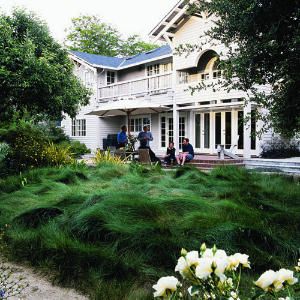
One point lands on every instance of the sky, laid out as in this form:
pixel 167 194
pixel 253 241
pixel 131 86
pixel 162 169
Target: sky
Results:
pixel 128 16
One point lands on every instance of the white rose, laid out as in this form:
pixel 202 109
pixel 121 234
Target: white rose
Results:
pixel 266 280
pixel 219 253
pixel 284 276
pixel 204 269
pixel 221 264
pixel 236 259
pixel 243 259
pixel 164 284
pixel 184 263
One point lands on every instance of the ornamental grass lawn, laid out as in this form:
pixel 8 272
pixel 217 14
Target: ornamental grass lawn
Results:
pixel 112 231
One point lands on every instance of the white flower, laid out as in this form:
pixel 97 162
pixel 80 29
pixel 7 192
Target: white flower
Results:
pixel 284 276
pixel 286 298
pixel 266 280
pixel 164 284
pixel 204 268
pixel 236 259
pixel 221 264
pixel 219 253
pixel 184 263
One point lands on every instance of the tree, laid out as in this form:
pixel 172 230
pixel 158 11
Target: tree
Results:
pixel 89 34
pixel 263 38
pixel 134 45
pixel 36 74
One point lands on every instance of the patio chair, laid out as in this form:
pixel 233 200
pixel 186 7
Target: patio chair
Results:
pixel 144 156
pixel 231 152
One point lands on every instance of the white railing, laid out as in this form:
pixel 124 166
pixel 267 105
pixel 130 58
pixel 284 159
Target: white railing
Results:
pixel 142 86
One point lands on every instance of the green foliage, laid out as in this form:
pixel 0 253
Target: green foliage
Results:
pixel 4 150
pixel 56 155
pixel 39 145
pixel 263 44
pixel 89 34
pixel 27 143
pixel 118 229
pixel 36 75
pixel 76 148
pixel 278 148
pixel 102 157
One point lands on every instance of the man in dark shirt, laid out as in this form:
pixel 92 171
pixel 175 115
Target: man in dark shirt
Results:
pixel 187 153
pixel 170 154
pixel 122 137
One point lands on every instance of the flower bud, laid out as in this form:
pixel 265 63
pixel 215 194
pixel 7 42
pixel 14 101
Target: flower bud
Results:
pixel 203 248
pixel 214 249
pixel 183 252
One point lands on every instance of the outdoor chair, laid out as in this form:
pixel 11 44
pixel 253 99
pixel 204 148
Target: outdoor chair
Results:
pixel 144 156
pixel 231 152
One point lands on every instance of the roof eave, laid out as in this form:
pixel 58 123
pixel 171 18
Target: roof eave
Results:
pixel 180 9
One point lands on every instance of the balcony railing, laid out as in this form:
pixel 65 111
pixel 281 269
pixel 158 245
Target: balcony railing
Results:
pixel 147 85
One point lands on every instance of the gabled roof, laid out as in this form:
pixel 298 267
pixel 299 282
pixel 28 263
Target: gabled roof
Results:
pixel 166 28
pixel 98 60
pixel 119 63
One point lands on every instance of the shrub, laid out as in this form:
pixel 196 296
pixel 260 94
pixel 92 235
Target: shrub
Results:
pixel 76 148
pixel 26 144
pixel 278 148
pixel 107 157
pixel 56 155
pixel 4 150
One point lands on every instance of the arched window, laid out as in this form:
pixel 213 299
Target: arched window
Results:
pixel 208 65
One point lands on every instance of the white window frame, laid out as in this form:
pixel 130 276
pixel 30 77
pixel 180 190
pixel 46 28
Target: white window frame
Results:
pixel 183 77
pixel 152 70
pixel 78 127
pixel 139 122
pixel 109 76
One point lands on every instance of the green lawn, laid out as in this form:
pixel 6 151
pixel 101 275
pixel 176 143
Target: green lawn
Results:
pixel 112 231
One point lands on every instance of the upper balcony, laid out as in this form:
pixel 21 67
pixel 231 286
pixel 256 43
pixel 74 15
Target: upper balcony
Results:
pixel 150 85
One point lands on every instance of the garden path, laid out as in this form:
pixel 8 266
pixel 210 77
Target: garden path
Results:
pixel 40 287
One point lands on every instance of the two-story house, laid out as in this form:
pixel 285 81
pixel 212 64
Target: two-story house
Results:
pixel 208 117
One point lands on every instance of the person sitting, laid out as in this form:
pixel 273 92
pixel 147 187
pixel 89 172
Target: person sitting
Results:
pixel 122 137
pixel 144 137
pixel 187 153
pixel 170 154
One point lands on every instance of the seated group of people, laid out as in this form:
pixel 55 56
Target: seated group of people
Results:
pixel 145 137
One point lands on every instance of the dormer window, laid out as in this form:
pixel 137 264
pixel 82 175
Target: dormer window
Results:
pixel 110 77
pixel 153 70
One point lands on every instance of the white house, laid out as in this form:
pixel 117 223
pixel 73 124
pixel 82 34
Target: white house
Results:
pixel 207 118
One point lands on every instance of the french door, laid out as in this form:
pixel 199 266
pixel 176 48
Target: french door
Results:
pixel 217 128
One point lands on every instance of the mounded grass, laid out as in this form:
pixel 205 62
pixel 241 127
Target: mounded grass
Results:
pixel 112 231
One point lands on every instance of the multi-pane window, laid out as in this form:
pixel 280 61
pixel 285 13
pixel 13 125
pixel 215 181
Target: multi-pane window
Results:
pixel 166 68
pixel 217 74
pixel 166 131
pixel 137 124
pixel 181 130
pixel 153 70
pixel 78 127
pixel 204 76
pixel 163 131
pixel 110 77
pixel 183 77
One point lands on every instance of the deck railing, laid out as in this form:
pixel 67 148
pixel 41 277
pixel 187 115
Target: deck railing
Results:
pixel 142 86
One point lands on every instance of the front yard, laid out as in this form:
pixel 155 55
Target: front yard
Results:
pixel 112 231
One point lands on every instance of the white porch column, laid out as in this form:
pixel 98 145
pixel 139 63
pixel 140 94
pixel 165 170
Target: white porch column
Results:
pixel 176 126
pixel 247 130
pixel 212 132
